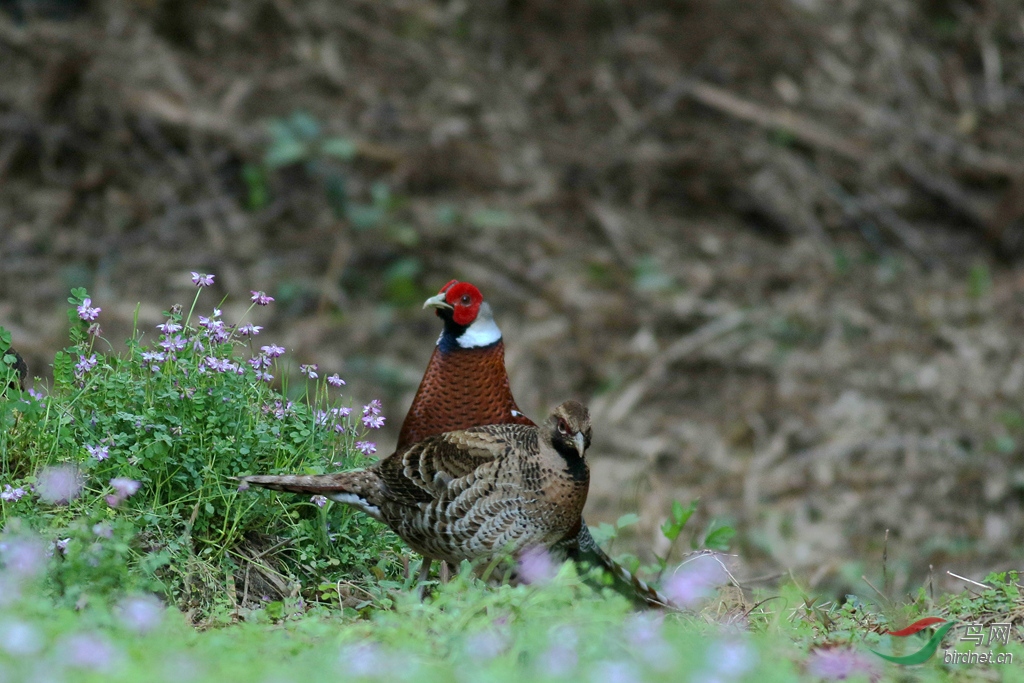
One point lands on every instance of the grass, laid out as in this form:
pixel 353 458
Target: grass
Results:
pixel 127 553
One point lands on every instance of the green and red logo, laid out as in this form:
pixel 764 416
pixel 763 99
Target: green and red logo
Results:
pixel 929 649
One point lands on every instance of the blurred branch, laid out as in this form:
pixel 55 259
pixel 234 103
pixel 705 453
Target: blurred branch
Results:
pixel 800 127
pixel 675 352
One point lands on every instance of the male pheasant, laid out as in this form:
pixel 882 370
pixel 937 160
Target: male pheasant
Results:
pixel 471 494
pixel 466 384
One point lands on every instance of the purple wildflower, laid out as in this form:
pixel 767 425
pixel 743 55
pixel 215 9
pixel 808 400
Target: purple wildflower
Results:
pixel 363 660
pixel 614 672
pixel 89 651
pixel 99 452
pixel 264 376
pixel 37 395
pixel 558 661
pixel 94 330
pixel 140 613
pixel 202 279
pixel 211 322
pixel 561 659
pixel 373 421
pixel 123 489
pixel 86 310
pixel 84 365
pixel 221 364
pixel 249 330
pixel 61 544
pixel 273 350
pixel 219 334
pixel 279 410
pixel 728 660
pixel 372 408
pixel 103 529
pixel 175 343
pixel 309 370
pixel 20 639
pixel 169 327
pixel 486 645
pixel 325 418
pixel 643 633
pixel 343 411
pixel 153 356
pixel 695 580
pixel 841 663
pixel 366 447
pixel 535 566
pixel 12 495
pixel 319 501
pixel 23 556
pixel 59 484
pixel 260 298
pixel 335 381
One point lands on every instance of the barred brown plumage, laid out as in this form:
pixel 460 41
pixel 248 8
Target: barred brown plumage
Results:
pixel 471 494
pixel 466 384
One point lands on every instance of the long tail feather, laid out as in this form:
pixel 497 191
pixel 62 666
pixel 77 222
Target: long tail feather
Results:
pixel 586 549
pixel 359 488
pixel 316 484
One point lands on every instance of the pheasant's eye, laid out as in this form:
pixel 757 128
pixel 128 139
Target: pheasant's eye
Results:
pixel 562 428
pixel 465 299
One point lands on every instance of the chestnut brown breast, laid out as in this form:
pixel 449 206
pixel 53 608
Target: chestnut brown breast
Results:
pixel 461 388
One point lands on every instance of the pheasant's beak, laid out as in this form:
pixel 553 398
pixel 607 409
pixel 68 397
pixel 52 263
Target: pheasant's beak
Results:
pixel 437 301
pixel 581 443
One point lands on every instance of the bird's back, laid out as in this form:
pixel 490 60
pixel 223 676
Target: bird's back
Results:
pixel 477 492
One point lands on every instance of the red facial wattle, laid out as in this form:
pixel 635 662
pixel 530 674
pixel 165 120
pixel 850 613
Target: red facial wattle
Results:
pixel 465 299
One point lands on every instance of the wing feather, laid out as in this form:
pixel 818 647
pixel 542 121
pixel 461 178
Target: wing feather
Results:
pixel 442 466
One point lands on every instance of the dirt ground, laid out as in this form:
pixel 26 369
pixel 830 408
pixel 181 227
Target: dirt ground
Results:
pixel 775 245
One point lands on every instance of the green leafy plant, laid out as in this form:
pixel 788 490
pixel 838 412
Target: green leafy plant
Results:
pixel 8 374
pixel 148 443
pixel 716 536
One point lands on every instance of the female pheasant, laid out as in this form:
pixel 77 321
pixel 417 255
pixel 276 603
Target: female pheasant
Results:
pixel 471 494
pixel 466 384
